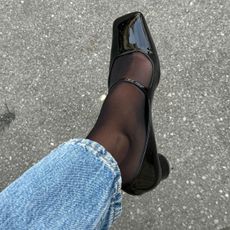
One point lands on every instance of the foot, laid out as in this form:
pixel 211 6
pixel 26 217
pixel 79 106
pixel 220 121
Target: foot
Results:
pixel 135 66
pixel 121 125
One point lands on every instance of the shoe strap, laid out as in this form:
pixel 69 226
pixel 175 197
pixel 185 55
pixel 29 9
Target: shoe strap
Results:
pixel 136 83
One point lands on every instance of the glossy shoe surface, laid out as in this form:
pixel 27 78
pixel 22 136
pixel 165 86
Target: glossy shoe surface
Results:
pixel 131 34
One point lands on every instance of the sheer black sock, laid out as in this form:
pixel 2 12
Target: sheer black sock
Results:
pixel 121 125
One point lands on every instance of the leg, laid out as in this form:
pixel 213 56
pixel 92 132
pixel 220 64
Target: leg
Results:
pixel 76 186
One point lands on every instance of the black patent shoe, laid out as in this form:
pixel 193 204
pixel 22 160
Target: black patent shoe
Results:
pixel 131 34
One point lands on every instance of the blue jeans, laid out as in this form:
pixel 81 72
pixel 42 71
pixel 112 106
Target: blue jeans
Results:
pixel 76 186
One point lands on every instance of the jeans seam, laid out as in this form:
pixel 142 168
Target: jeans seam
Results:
pixel 111 163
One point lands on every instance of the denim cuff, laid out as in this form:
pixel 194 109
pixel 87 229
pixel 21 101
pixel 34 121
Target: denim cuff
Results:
pixel 107 159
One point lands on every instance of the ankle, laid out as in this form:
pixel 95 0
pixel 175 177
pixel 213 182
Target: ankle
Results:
pixel 116 142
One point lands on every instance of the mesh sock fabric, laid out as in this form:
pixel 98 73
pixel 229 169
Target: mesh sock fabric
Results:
pixel 121 125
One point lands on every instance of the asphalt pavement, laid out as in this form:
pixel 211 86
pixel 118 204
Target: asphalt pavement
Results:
pixel 54 62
